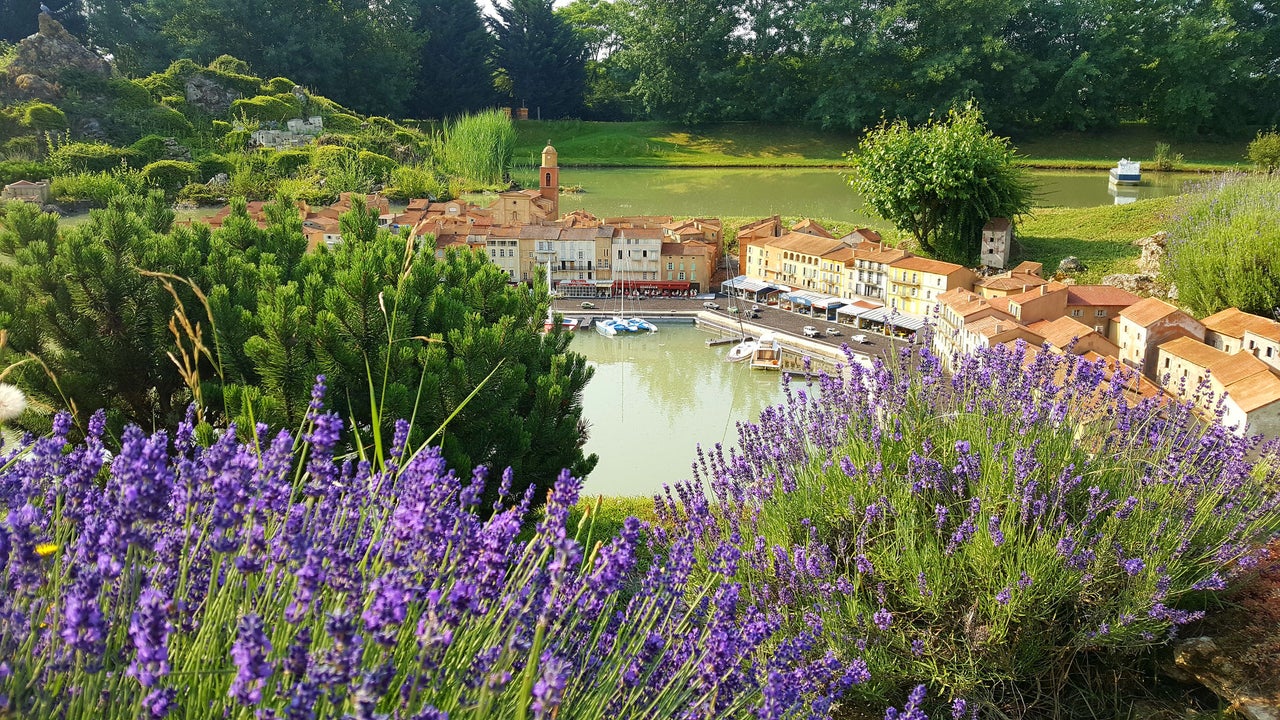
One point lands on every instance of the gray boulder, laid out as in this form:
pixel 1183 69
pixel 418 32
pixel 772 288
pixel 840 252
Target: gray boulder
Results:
pixel 209 95
pixel 53 51
pixel 1071 264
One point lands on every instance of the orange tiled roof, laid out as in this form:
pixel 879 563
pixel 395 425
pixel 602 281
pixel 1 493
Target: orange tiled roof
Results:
pixel 1104 295
pixel 919 264
pixel 1255 391
pixel 1194 351
pixel 1146 312
pixel 1234 322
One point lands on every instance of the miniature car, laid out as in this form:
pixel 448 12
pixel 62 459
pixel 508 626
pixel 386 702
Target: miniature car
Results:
pixel 833 331
pixel 810 331
pixel 710 306
pixel 588 306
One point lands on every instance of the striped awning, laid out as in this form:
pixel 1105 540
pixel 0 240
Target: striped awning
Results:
pixel 889 316
pixel 744 283
pixel 807 298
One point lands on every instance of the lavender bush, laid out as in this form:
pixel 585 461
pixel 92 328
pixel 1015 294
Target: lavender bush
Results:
pixel 269 579
pixel 980 531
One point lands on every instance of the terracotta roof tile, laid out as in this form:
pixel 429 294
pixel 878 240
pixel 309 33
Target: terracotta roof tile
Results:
pixel 1146 312
pixel 920 264
pixel 1233 322
pixel 1104 295
pixel 1193 351
pixel 1254 392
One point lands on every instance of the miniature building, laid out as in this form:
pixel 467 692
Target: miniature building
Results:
pixel 997 242
pixel 25 191
pixel 1146 325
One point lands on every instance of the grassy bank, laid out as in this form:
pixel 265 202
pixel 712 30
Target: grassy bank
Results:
pixel 1102 237
pixel 655 144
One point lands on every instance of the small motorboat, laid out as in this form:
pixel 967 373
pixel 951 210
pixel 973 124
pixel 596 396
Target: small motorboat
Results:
pixel 567 323
pixel 768 353
pixel 742 351
pixel 1126 172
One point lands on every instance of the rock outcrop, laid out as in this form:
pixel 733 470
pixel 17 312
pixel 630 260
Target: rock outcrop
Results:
pixel 1153 249
pixel 51 52
pixel 209 95
pixel 1070 264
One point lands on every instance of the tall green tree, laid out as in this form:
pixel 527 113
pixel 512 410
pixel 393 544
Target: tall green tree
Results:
pixel 455 74
pixel 683 54
pixel 539 59
pixel 599 25
pixel 941 181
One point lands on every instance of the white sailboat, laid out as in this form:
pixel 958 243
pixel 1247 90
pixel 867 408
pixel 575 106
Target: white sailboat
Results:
pixel 621 324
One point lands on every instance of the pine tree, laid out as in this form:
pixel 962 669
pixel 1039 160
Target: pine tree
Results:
pixel 540 59
pixel 455 73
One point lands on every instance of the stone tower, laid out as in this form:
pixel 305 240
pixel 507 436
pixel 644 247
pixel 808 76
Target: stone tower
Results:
pixel 549 179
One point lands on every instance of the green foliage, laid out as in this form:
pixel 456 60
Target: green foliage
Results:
pixel 422 331
pixel 408 182
pixel 129 95
pixel 278 85
pixel 95 188
pixel 263 108
pixel 539 58
pixel 15 170
pixel 211 165
pixel 201 194
pixel 24 147
pixel 1165 159
pixel 286 163
pixel 941 181
pixel 149 148
pixel 230 65
pixel 478 147
pixel 378 166
pixel 43 116
pixel 221 127
pixel 236 140
pixel 455 68
pixel 1264 151
pixel 167 120
pixel 169 175
pixel 1224 246
pixel 162 85
pixel 342 123
pixel 89 157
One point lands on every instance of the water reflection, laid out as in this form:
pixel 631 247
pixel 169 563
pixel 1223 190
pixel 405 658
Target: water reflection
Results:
pixel 654 398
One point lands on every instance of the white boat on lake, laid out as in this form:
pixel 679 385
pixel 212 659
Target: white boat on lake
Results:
pixel 768 353
pixel 1126 172
pixel 742 351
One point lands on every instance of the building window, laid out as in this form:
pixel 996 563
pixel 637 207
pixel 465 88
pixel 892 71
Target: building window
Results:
pixel 1077 313
pixel 681 276
pixel 1099 313
pixel 1166 363
pixel 670 266
pixel 1099 329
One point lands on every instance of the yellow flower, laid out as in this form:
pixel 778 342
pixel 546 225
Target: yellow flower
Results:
pixel 46 549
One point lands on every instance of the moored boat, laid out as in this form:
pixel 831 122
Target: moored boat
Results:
pixel 768 353
pixel 1126 172
pixel 742 351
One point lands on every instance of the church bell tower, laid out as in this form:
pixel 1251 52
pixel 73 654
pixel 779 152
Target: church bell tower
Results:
pixel 549 178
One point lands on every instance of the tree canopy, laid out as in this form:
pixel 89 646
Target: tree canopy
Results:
pixel 396 331
pixel 539 57
pixel 941 181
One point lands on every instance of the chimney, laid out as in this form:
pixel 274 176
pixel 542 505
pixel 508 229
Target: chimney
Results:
pixel 1042 290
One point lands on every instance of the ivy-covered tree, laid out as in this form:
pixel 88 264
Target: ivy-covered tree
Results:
pixel 941 181
pixel 396 331
pixel 455 72
pixel 539 58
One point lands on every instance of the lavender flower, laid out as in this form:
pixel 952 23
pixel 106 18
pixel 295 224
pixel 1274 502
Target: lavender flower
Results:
pixel 249 652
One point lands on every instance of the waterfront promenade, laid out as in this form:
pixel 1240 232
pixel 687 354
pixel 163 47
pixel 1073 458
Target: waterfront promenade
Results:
pixel 789 325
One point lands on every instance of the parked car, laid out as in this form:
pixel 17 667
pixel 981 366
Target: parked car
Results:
pixel 588 306
pixel 755 308
pixel 810 331
pixel 710 306
pixel 860 339
pixel 833 331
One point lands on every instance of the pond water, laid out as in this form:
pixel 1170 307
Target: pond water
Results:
pixel 654 398
pixel 809 192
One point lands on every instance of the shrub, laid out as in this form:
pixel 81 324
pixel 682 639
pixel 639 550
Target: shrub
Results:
pixel 15 170
pixel 167 120
pixel 329 156
pixel 986 531
pixel 129 95
pixel 1264 151
pixel 25 147
pixel 408 182
pixel 169 175
pixel 383 124
pixel 342 123
pixel 149 148
pixel 1165 159
pixel 278 85
pixel 89 157
pixel 43 116
pixel 287 162
pixel 236 140
pixel 211 165
pixel 201 194
pixel 229 64
pixel 1223 244
pixel 163 84
pixel 328 585
pixel 222 127
pixel 378 166
pixel 95 188
pixel 263 108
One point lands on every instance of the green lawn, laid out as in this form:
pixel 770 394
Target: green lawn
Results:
pixel 1102 237
pixel 655 144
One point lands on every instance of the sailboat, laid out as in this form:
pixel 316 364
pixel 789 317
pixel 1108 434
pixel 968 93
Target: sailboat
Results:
pixel 620 323
pixel 548 324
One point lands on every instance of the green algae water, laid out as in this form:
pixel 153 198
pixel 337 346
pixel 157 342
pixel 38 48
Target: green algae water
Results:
pixel 654 398
pixel 808 192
